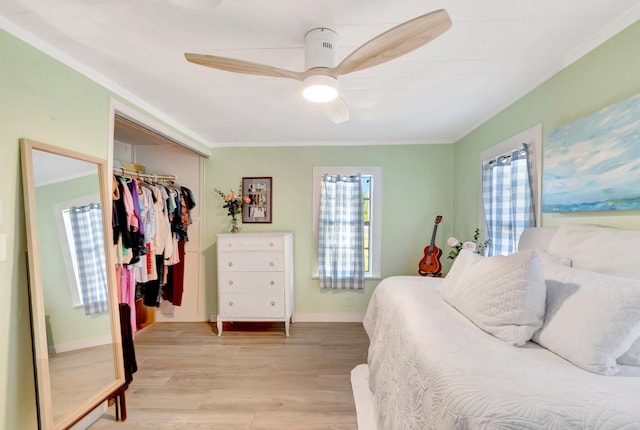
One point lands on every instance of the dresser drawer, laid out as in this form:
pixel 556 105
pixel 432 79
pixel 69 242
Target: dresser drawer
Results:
pixel 250 243
pixel 251 282
pixel 251 305
pixel 251 261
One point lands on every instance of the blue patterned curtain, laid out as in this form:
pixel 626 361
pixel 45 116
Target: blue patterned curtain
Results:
pixel 341 233
pixel 507 196
pixel 86 227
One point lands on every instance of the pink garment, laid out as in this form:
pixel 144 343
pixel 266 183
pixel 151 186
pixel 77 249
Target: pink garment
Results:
pixel 118 276
pixel 128 294
pixel 132 220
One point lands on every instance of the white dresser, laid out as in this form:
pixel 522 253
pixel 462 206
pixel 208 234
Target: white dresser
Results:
pixel 255 277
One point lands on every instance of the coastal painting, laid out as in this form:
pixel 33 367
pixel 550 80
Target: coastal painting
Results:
pixel 593 163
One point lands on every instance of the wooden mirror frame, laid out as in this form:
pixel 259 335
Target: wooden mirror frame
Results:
pixel 114 389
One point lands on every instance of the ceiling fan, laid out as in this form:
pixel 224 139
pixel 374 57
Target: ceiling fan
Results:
pixel 320 78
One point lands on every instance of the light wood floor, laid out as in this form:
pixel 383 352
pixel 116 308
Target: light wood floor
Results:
pixel 77 375
pixel 252 377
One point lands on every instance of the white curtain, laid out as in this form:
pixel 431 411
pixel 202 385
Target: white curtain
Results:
pixel 341 233
pixel 507 196
pixel 86 227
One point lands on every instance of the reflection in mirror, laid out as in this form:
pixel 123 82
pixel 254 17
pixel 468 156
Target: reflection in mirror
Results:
pixel 74 307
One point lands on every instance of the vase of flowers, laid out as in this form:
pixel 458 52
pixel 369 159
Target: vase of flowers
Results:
pixel 472 245
pixel 235 226
pixel 233 204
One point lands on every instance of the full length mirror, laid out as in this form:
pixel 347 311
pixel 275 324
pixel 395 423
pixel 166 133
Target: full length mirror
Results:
pixel 74 306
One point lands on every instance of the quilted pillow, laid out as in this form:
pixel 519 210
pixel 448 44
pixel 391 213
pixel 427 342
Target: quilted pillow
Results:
pixel 464 259
pixel 503 295
pixel 591 318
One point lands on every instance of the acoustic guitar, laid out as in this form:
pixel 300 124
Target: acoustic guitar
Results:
pixel 430 264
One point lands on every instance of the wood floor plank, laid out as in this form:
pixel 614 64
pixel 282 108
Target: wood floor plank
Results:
pixel 173 419
pixel 300 400
pixel 270 420
pixel 250 378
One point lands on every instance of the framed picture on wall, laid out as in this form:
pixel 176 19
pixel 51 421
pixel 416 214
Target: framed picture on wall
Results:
pixel 258 209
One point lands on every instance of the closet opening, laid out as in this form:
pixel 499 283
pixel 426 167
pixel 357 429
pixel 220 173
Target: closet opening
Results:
pixel 161 277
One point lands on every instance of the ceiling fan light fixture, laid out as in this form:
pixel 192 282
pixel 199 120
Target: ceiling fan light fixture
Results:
pixel 320 88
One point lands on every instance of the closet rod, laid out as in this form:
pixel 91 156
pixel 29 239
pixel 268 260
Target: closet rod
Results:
pixel 125 172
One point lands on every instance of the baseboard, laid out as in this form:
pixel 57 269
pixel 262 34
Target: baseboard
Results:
pixel 91 417
pixel 80 344
pixel 316 318
pixel 298 317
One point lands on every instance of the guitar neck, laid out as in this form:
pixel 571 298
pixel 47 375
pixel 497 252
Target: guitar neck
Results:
pixel 433 238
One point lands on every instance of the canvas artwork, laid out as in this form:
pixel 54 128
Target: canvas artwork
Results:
pixel 593 163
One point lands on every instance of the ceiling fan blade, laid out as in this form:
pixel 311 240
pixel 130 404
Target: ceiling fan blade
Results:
pixel 336 111
pixel 396 42
pixel 241 66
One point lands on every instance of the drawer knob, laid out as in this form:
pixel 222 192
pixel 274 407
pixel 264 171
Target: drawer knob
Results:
pixel 271 244
pixel 230 303
pixel 230 264
pixel 271 263
pixel 272 282
pixel 230 282
pixel 273 303
pixel 229 245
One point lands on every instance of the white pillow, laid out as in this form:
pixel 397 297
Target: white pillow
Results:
pixel 599 249
pixel 591 318
pixel 617 255
pixel 464 259
pixel 503 295
pixel 632 356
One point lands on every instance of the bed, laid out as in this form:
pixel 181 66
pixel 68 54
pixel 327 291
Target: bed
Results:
pixel 434 364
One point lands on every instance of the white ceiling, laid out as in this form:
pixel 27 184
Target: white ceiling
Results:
pixel 495 52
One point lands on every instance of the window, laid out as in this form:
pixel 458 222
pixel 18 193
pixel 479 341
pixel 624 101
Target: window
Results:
pixel 371 180
pixel 69 253
pixel 366 181
pixel 510 190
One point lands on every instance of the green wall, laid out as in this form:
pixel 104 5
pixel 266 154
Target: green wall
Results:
pixel 42 100
pixel 606 75
pixel 417 186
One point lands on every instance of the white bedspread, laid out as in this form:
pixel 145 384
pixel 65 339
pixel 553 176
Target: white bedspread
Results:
pixel 431 368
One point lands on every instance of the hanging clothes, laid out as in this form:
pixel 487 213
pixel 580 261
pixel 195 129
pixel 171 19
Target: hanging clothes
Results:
pixel 150 229
pixel 128 350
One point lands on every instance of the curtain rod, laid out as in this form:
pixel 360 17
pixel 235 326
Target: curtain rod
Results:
pixel 125 172
pixel 507 155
